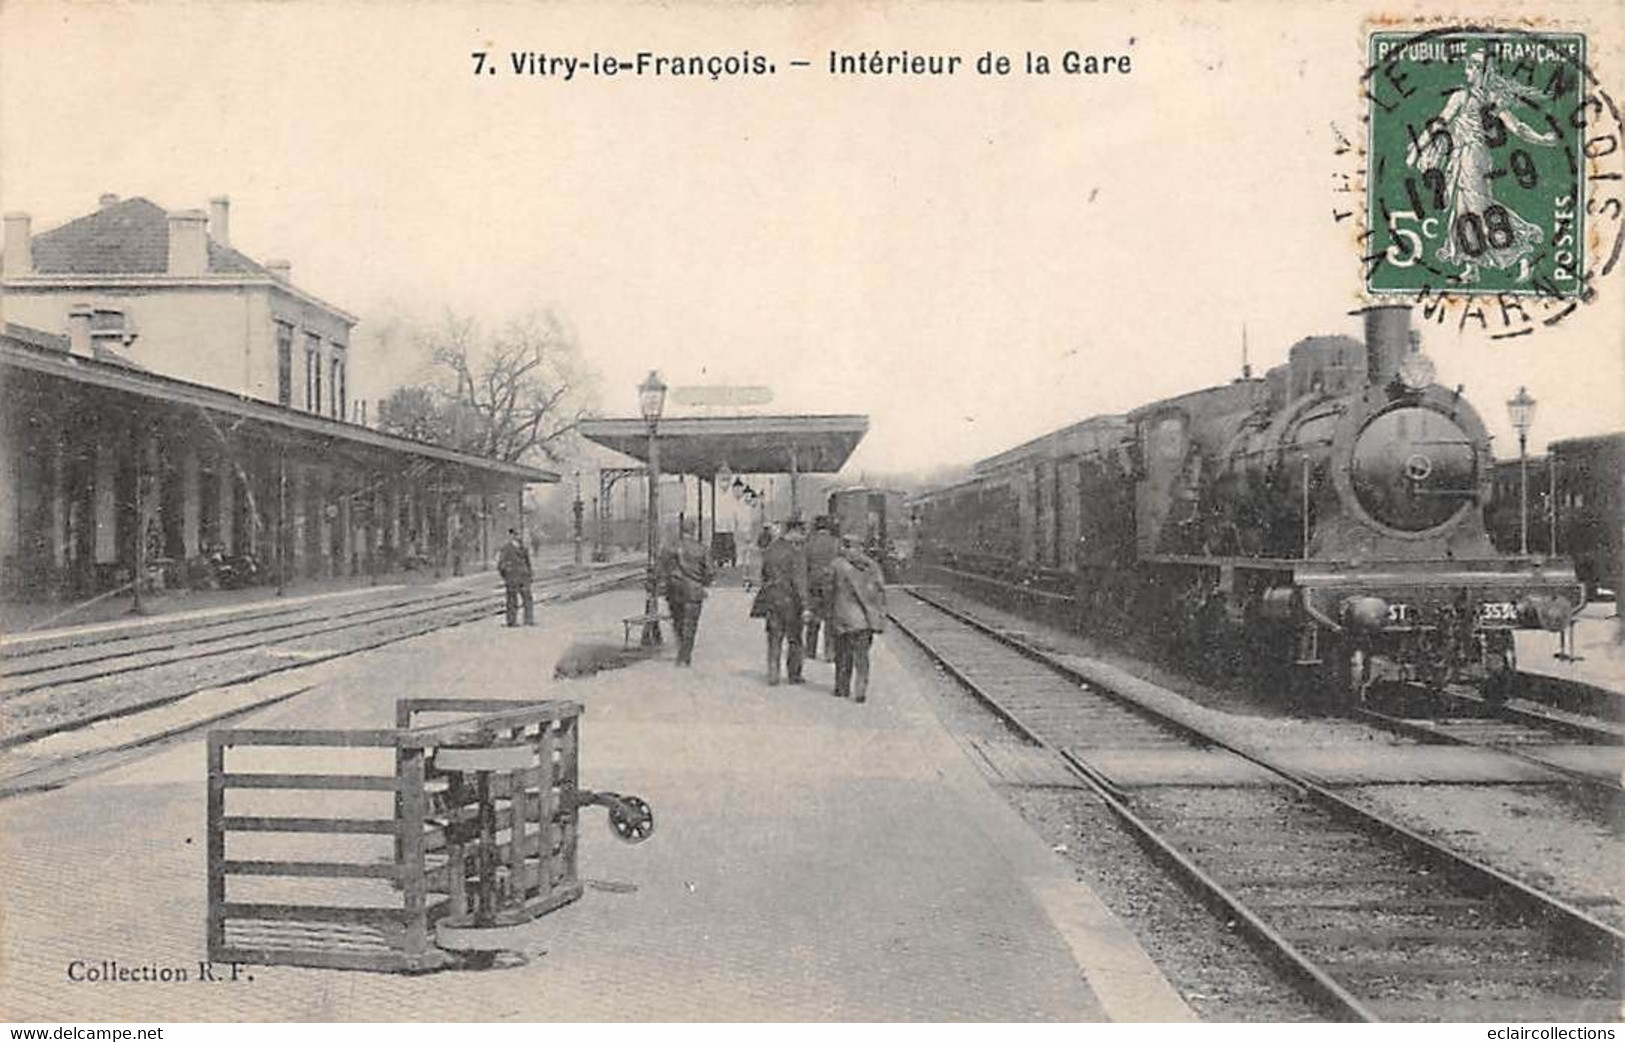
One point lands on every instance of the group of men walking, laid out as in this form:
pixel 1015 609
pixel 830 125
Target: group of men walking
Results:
pixel 815 586
pixel 822 585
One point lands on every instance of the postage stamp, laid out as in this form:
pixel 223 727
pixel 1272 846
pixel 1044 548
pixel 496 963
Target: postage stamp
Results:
pixel 1477 166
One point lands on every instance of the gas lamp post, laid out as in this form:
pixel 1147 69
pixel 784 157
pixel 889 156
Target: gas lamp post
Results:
pixel 1521 410
pixel 651 402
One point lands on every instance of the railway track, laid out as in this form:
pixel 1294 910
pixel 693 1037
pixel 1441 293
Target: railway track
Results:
pixel 1555 742
pixel 1553 737
pixel 1369 919
pixel 51 686
pixel 1573 701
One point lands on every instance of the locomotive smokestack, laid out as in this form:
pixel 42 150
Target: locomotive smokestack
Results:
pixel 1387 341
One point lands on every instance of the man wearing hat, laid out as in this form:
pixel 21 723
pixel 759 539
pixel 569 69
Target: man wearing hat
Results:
pixel 857 613
pixel 513 563
pixel 685 572
pixel 782 600
pixel 822 546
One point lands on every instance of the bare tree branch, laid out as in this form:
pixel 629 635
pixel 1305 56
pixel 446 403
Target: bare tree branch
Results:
pixel 511 396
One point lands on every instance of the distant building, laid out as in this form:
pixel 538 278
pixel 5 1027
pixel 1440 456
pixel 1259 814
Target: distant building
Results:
pixel 202 311
pixel 166 401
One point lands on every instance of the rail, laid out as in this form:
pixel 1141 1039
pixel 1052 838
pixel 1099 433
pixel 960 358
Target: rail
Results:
pixel 1561 922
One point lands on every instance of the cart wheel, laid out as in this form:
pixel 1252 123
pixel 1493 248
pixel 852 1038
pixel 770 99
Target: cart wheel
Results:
pixel 631 819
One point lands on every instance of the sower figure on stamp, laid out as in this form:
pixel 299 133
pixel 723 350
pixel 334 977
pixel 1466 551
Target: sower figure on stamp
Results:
pixel 1459 142
pixel 822 546
pixel 685 572
pixel 782 601
pixel 857 613
pixel 513 563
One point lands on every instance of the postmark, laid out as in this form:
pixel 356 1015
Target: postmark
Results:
pixel 1493 176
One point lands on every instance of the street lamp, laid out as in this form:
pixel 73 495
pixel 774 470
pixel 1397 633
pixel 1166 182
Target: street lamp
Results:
pixel 651 401
pixel 1521 409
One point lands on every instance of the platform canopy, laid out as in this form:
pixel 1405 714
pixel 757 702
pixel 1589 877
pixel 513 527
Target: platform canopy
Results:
pixel 703 445
pixel 24 350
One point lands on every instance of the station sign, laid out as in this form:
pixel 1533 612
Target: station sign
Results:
pixel 721 394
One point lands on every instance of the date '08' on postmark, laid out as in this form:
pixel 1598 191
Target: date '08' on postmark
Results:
pixel 1476 169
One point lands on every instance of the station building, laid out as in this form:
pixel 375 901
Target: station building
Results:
pixel 166 400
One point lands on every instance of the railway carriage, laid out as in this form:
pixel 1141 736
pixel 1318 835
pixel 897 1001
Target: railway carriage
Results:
pixel 879 518
pixel 1578 486
pixel 1327 518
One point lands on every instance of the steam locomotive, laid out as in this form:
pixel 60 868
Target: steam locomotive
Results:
pixel 1327 519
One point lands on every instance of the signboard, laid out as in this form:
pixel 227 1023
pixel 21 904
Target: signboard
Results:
pixel 721 394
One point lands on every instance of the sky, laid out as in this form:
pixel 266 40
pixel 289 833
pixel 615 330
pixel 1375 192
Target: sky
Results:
pixel 970 261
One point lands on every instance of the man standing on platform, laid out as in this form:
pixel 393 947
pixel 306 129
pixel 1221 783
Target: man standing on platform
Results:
pixel 513 563
pixel 857 613
pixel 685 572
pixel 822 546
pixel 782 600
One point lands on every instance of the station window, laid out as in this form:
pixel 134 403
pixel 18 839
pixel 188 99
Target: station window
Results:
pixel 284 364
pixel 313 373
pixel 337 389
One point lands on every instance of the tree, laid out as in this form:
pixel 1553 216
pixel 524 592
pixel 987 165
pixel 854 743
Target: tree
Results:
pixel 507 396
pixel 412 412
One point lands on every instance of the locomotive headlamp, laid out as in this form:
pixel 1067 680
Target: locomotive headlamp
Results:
pixel 1416 371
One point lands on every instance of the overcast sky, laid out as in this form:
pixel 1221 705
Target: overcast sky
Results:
pixel 971 261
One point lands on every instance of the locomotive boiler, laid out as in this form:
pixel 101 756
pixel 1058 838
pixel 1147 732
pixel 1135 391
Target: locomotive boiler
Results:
pixel 1328 518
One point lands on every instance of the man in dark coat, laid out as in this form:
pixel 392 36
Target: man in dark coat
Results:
pixel 685 572
pixel 782 601
pixel 822 547
pixel 513 563
pixel 857 613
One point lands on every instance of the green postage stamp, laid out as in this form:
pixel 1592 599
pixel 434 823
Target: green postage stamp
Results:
pixel 1476 165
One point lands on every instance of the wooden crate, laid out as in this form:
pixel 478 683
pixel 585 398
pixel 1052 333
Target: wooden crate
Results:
pixel 536 813
pixel 428 873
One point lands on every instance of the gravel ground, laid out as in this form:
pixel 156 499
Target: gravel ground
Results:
pixel 56 706
pixel 1216 972
pixel 1577 851
pixel 1259 715
pixel 1528 831
pixel 75 702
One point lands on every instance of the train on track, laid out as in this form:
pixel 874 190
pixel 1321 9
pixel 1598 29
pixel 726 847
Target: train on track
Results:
pixel 1576 507
pixel 1326 520
pixel 880 518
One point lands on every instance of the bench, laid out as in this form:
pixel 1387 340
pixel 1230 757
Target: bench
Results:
pixel 639 621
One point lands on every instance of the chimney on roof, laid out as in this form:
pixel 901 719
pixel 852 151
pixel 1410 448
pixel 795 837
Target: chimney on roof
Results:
pixel 280 270
pixel 19 245
pixel 79 320
pixel 220 219
pixel 188 243
pixel 107 199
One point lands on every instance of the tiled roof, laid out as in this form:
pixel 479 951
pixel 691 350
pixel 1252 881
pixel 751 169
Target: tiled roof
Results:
pixel 126 238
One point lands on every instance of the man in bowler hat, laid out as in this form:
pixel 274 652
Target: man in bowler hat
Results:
pixel 513 564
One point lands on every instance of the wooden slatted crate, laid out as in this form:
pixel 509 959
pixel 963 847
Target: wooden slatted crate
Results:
pixel 379 912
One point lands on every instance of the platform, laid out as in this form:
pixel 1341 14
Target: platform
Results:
pixel 1600 653
pixel 814 860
